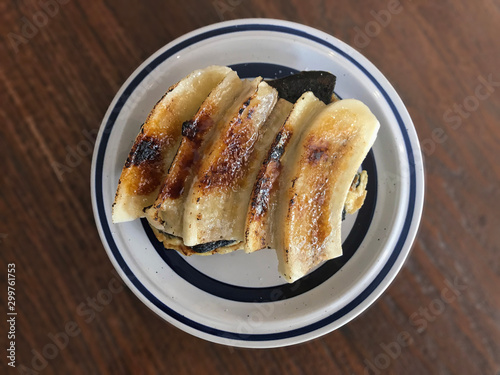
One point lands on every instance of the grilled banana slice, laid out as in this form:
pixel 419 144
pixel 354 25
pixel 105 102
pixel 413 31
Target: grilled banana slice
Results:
pixel 217 201
pixel 158 140
pixel 270 128
pixel 223 164
pixel 315 189
pixel 261 224
pixel 197 133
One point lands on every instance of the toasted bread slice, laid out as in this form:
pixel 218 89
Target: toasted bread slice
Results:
pixel 158 140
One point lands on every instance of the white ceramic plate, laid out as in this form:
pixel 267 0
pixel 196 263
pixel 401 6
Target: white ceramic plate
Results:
pixel 239 299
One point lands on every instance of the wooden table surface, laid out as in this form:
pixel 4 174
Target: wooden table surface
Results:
pixel 62 62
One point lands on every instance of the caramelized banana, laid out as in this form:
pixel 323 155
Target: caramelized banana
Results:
pixel 155 146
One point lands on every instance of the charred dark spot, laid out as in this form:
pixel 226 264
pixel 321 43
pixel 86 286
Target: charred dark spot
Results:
pixel 244 106
pixel 198 217
pixel 316 155
pixel 271 169
pixel 262 187
pixel 266 182
pixel 188 155
pixel 196 128
pixel 210 246
pixel 146 157
pixel 292 87
pixel 277 152
pixel 205 180
pixel 171 88
pixel 250 113
pixel 279 144
pixel 147 149
pixel 317 152
pixel 197 199
pixel 189 129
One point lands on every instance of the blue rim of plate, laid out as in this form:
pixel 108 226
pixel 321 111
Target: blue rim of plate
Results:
pixel 153 299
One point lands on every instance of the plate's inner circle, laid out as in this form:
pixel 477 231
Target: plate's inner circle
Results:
pixel 254 277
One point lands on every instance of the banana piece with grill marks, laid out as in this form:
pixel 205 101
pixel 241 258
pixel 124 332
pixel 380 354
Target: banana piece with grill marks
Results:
pixel 157 142
pixel 223 164
pixel 217 201
pixel 317 184
pixel 197 134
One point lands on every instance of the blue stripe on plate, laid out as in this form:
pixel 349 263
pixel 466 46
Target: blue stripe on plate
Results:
pixel 159 304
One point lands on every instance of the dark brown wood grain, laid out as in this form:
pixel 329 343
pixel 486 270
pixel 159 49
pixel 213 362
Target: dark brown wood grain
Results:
pixel 58 81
